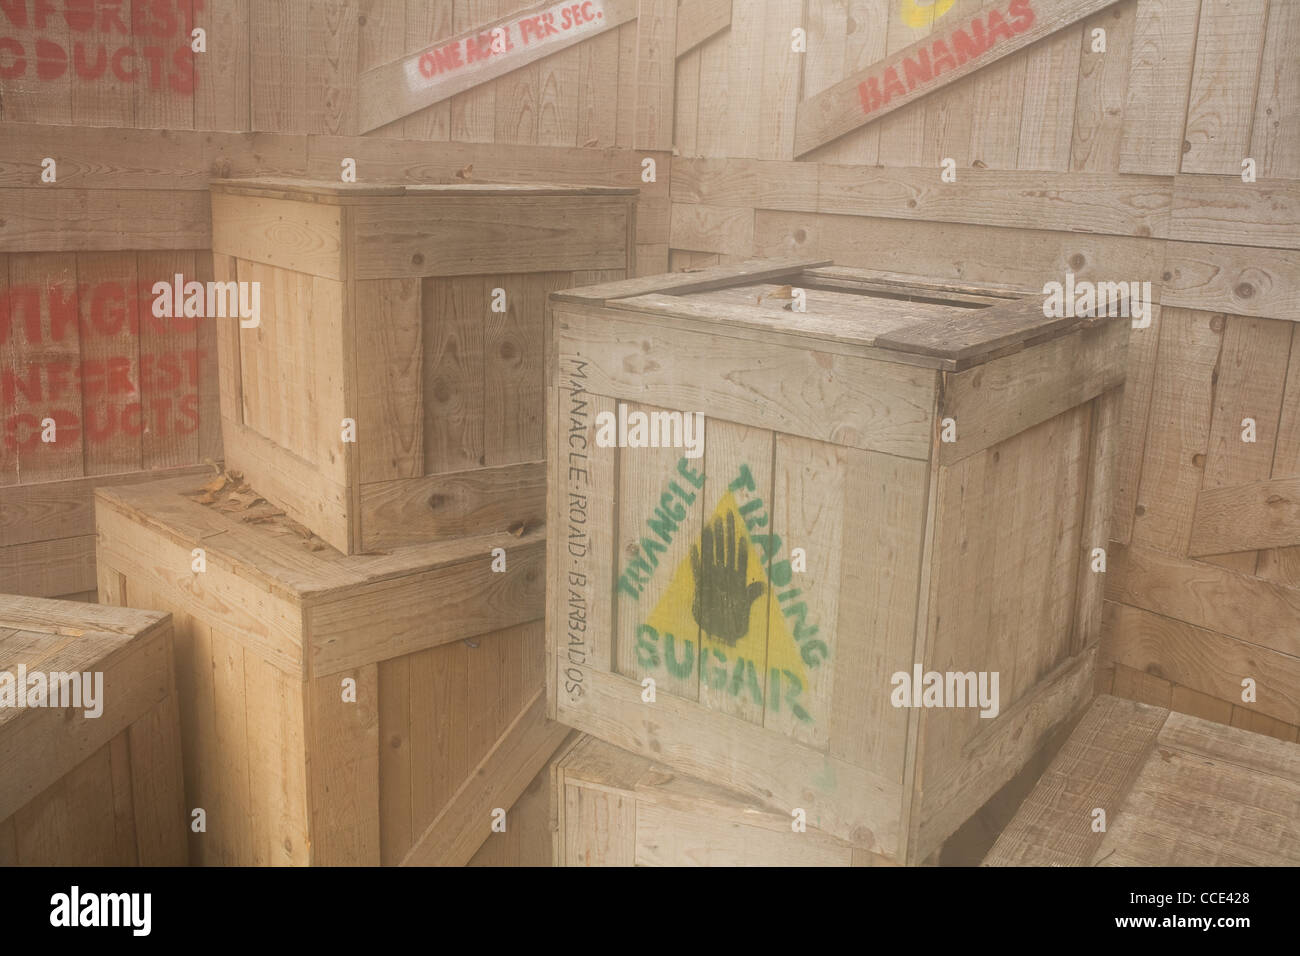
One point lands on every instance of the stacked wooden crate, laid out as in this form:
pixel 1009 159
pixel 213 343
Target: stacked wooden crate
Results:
pixel 358 595
pixel 897 477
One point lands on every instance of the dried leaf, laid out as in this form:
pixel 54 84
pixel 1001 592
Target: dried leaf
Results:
pixel 518 528
pixel 980 164
pixel 465 172
pixel 206 498
pixel 591 142
pixel 319 546
pixel 235 476
pixel 215 485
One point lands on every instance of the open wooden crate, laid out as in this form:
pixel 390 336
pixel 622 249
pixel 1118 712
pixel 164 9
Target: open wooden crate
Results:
pixel 940 456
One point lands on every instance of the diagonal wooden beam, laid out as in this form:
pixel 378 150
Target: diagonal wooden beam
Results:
pixel 402 87
pixel 969 38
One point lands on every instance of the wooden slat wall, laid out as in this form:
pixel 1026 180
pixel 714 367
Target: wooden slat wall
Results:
pixel 1069 159
pixel 292 66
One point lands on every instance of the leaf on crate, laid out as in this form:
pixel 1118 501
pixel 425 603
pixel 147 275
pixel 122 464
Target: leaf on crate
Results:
pixel 215 485
pixel 465 172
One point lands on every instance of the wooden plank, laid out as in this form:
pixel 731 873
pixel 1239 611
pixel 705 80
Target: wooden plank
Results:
pixel 752 270
pixel 454 315
pixel 580 492
pixel 712 229
pixel 390 414
pixel 1255 514
pixel 1215 598
pixel 842 108
pixel 779 89
pixel 278 830
pixel 513 378
pixel 1224 209
pixel 1232 279
pixel 1079 201
pixel 1251 377
pixel 479 236
pixel 1095 769
pixel 860 403
pixel 1284 564
pixel 599 827
pixel 1178 429
pixel 655 72
pixel 698 20
pixel 659 530
pixel 304 237
pixel 343 737
pixel 1020 258
pixel 1164 45
pixel 747 183
pixel 49 568
pixel 1275 134
pixel 597 113
pixel 1103 459
pixel 1225 78
pixel 429 608
pixel 51 327
pixel 100 220
pixel 880 572
pixel 733 666
pixel 402 87
pixel 810 479
pixel 1005 396
pixel 1099 100
pixel 123 811
pixel 1138 383
pixel 458 831
pixel 1249 751
pixel 686 105
pixel 412 511
pixel 157 787
pixel 439 734
pixel 1046 120
pixel 1204 660
pixel 168 368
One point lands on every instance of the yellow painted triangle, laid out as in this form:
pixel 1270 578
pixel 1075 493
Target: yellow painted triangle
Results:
pixel 766 642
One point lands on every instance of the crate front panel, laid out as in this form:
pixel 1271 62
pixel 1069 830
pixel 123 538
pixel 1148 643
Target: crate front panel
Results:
pixel 684 571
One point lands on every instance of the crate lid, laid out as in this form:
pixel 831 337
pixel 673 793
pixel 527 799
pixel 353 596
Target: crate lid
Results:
pixel 340 193
pixel 67 635
pixel 944 324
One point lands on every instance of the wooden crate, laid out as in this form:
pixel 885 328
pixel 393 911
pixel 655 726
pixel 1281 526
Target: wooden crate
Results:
pixel 87 789
pixel 1176 791
pixel 616 808
pixel 823 432
pixel 377 306
pixel 445 656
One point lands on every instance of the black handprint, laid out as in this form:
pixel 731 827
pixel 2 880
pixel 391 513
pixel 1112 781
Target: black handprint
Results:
pixel 722 596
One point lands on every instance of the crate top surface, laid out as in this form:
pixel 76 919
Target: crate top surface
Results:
pixel 339 193
pixel 1177 790
pixel 68 635
pixel 941 323
pixel 278 555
